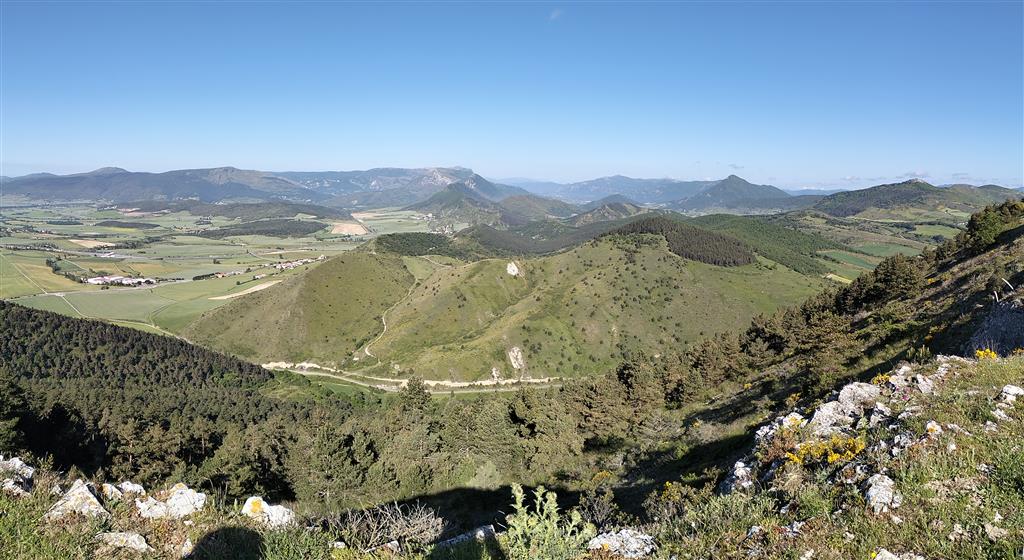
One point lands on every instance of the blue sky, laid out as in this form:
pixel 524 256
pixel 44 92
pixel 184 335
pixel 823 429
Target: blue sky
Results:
pixel 794 94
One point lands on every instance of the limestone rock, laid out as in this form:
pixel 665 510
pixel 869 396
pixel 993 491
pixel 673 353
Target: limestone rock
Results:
pixel 512 268
pixel 843 412
pixel 884 554
pixel 111 492
pixel 128 487
pixel 1010 393
pixel 14 488
pixel 80 500
pixel 480 534
pixel 181 502
pixel 626 543
pixel 741 477
pixel 881 494
pixel 515 357
pixel 271 516
pixel 859 395
pixel 16 467
pixel 131 541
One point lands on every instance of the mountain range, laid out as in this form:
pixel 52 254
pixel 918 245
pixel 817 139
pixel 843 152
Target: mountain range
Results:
pixel 431 190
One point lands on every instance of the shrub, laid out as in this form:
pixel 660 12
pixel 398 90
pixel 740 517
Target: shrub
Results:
pixel 413 524
pixel 544 534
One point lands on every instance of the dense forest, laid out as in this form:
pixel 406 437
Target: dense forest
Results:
pixel 692 242
pixel 149 408
pixel 273 228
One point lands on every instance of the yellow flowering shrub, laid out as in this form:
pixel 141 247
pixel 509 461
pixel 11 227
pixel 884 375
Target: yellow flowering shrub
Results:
pixel 880 379
pixel 985 354
pixel 833 450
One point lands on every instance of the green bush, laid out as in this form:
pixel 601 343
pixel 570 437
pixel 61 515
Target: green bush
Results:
pixel 544 533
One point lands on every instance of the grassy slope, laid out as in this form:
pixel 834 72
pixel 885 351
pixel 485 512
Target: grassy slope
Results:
pixel 325 314
pixel 572 313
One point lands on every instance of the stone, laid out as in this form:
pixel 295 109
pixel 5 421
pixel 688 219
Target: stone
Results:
pixel 16 467
pixel 792 421
pixel 626 543
pixel 127 487
pixel 1010 393
pixel 515 357
pixel 80 500
pixel 830 417
pixel 857 396
pixel 186 548
pixel 925 384
pixel 480 534
pixel 1000 414
pixel 131 541
pixel 512 269
pixel 741 477
pixel 14 488
pixel 995 533
pixel 274 517
pixel 111 492
pixel 881 494
pixel 181 502
pixel 339 545
pixel 884 554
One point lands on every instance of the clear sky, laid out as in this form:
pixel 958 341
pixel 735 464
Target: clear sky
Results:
pixel 792 94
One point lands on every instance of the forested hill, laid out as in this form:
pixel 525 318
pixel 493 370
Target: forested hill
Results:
pixel 692 242
pixel 136 404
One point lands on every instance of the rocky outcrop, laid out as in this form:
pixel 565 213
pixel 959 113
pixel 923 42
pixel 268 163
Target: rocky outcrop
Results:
pixel 881 494
pixel 179 501
pixel 15 476
pixel 79 500
pixel 274 517
pixel 626 543
pixel 480 534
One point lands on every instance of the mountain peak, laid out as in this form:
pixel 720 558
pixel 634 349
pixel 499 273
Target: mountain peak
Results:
pixel 106 171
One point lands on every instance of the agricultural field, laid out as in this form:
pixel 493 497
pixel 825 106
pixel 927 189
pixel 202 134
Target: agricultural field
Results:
pixel 46 249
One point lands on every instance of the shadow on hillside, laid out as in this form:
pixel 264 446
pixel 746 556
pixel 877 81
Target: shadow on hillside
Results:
pixel 471 549
pixel 236 543
pixel 464 509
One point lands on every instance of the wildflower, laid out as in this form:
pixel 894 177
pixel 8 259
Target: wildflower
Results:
pixel 880 379
pixel 985 354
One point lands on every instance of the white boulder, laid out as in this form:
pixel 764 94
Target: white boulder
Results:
pixel 741 477
pixel 80 500
pixel 128 487
pixel 512 268
pixel 1010 393
pixel 181 501
pixel 271 516
pixel 626 543
pixel 881 494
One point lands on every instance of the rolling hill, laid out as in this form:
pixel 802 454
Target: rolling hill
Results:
pixel 324 314
pixel 913 200
pixel 737 194
pixel 568 313
pixel 112 184
pixel 607 212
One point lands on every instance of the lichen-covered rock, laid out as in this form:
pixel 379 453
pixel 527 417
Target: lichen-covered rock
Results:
pixel 80 500
pixel 273 517
pixel 181 502
pixel 14 487
pixel 129 488
pixel 130 541
pixel 626 543
pixel 881 494
pixel 842 413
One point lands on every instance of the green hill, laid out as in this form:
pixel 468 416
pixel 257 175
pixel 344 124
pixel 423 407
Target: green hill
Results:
pixel 535 207
pixel 607 212
pixel 914 200
pixel 325 314
pixel 787 246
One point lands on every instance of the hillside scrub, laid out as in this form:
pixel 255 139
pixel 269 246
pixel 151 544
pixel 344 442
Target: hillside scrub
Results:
pixel 692 242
